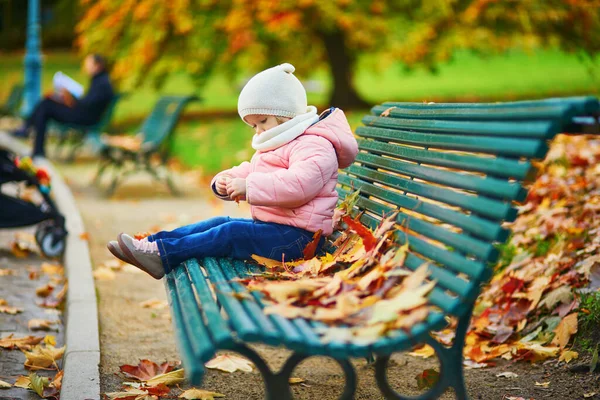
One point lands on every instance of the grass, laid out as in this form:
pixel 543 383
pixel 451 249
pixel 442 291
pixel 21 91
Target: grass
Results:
pixel 588 337
pixel 216 142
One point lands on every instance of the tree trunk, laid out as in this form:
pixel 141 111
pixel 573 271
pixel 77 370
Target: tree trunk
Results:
pixel 341 64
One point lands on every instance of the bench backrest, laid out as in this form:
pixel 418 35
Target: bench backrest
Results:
pixel 453 171
pixel 163 118
pixel 13 101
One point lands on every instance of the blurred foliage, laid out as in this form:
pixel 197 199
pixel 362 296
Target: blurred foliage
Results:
pixel 150 39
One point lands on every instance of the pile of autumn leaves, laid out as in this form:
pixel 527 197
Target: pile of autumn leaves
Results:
pixel 40 351
pixel 528 311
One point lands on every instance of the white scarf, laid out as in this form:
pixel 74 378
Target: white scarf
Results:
pixel 286 132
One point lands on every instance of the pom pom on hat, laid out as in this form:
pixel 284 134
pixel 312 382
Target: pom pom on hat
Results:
pixel 274 91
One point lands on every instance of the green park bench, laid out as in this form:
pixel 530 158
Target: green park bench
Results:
pixel 13 101
pixel 71 137
pixel 156 140
pixel 453 171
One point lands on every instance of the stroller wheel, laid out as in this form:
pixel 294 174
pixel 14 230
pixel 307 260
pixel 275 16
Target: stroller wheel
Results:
pixel 42 230
pixel 51 245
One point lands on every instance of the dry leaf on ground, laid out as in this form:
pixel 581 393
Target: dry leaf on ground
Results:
pixel 145 370
pixel 199 394
pixel 229 363
pixel 41 324
pixel 154 304
pixel 568 355
pixel 7 272
pixel 24 343
pixel 4 385
pixel 43 357
pixel 169 378
pixel 10 310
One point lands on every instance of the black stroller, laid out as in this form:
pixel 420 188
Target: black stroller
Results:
pixel 15 212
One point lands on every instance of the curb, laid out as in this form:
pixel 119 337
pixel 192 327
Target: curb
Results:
pixel 81 361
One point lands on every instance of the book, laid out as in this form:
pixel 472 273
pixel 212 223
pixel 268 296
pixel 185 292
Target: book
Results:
pixel 62 81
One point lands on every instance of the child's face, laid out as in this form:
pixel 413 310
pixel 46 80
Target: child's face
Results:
pixel 261 123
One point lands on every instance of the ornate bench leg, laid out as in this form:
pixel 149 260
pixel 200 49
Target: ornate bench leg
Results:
pixel 277 385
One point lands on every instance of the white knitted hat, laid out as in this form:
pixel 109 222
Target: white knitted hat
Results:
pixel 274 91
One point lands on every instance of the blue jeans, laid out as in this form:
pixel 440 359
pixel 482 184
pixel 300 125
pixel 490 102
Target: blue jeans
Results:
pixel 231 237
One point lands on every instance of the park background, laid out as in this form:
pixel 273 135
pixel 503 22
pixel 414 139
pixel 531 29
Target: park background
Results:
pixel 380 50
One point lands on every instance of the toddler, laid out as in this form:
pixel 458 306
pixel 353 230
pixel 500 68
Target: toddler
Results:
pixel 289 183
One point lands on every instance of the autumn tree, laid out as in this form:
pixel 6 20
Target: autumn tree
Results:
pixel 148 39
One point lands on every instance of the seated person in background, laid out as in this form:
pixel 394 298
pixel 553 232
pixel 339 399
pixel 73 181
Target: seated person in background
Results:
pixel 67 109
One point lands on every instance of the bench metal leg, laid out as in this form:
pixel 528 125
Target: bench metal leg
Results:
pixel 451 367
pixel 277 386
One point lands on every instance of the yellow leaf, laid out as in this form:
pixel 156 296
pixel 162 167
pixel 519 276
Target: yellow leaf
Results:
pixel 4 385
pixel 543 384
pixel 293 381
pixel 10 310
pixel 6 271
pixel 44 291
pixel 229 363
pixel 170 378
pixel 104 274
pixel 43 357
pixel 50 339
pixel 280 291
pixel 23 382
pixel 267 262
pixel 23 343
pixel 540 352
pixel 52 269
pixel 387 310
pixel 289 311
pixel 425 351
pixel 564 330
pixel 568 355
pixel 199 394
pixel 588 395
pixel 141 394
pixel 40 324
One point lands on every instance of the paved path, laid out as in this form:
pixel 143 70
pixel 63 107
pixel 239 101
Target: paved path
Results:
pixel 19 291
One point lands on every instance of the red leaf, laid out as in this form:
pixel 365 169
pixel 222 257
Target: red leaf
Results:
pixel 367 237
pixel 145 369
pixel 311 248
pixel 513 285
pixel 158 390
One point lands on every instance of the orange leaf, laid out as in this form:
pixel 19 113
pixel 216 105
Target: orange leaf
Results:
pixel 145 370
pixel 311 248
pixel 369 240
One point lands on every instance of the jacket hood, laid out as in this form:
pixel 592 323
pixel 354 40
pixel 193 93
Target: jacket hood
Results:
pixel 334 127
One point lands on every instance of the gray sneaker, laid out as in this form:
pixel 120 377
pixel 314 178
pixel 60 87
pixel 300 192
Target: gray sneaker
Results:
pixel 144 254
pixel 115 249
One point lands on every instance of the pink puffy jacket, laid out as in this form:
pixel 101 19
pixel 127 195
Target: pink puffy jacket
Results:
pixel 295 184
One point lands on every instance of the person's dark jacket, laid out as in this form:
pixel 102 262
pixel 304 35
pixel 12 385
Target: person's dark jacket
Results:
pixel 98 97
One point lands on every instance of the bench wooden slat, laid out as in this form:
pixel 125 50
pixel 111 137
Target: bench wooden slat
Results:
pixel 284 325
pixel 488 186
pixel 194 370
pixel 477 226
pixel 453 260
pixel 245 327
pixel 492 209
pixel 193 323
pixel 466 244
pixel 270 334
pixel 503 146
pixel 580 104
pixel 495 166
pixel 219 328
pixel 562 111
pixel 531 129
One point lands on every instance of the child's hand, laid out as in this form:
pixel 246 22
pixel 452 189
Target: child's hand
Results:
pixel 221 184
pixel 236 188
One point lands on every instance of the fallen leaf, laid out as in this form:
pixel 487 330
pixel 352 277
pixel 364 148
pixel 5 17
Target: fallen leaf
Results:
pixel 588 395
pixel 427 379
pixel 104 274
pixel 6 271
pixel 560 295
pixel 564 330
pixel 44 291
pixel 154 304
pixel 470 364
pixel 199 394
pixel 52 269
pixel 386 112
pixel 425 351
pixel 23 382
pixel 367 237
pixel 84 236
pixel 542 384
pixel 10 310
pixel 24 343
pixel 568 355
pixel 169 378
pixel 293 381
pixel 229 363
pixel 507 374
pixel 37 383
pixel 132 394
pixel 145 370
pixel 42 357
pixel 267 262
pixel 40 324
pixel 311 248
pixel 50 339
pixel 4 385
